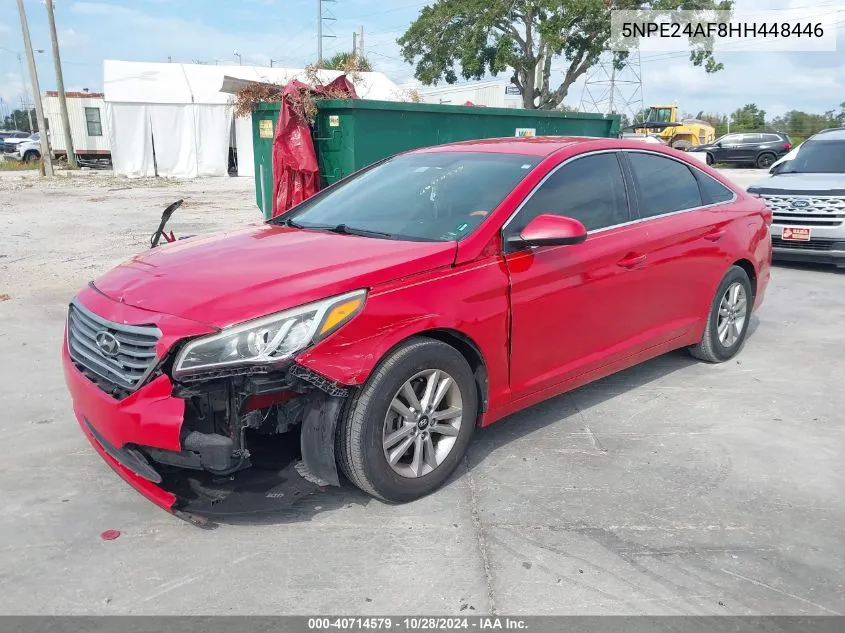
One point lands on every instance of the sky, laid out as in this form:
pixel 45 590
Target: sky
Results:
pixel 285 31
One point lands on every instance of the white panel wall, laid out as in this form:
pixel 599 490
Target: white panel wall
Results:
pixel 82 142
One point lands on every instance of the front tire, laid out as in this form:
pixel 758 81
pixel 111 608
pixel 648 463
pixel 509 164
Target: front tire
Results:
pixel 727 320
pixel 709 159
pixel 31 157
pixel 407 429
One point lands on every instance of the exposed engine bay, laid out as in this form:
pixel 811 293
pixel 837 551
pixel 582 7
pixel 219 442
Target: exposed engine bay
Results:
pixel 270 435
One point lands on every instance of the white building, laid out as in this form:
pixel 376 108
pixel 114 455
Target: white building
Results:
pixel 171 120
pixel 493 94
pixel 88 125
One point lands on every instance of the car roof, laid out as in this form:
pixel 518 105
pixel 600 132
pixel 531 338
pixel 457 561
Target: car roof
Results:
pixel 830 134
pixel 531 146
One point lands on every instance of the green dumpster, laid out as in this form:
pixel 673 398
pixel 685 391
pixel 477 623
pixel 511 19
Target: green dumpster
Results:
pixel 351 134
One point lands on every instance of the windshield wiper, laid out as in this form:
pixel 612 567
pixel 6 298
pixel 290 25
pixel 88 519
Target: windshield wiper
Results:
pixel 343 229
pixel 289 222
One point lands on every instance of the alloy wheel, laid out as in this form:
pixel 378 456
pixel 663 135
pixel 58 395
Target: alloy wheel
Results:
pixel 733 310
pixel 422 423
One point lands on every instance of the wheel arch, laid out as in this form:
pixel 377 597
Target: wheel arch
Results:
pixel 749 269
pixel 471 353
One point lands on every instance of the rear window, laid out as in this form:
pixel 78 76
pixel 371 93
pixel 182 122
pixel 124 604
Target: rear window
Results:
pixel 712 191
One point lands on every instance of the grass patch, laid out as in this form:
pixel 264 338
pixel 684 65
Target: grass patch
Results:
pixel 17 165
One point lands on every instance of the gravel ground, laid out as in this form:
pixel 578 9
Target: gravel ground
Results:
pixel 671 488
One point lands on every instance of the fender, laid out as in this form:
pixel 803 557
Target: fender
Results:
pixel 477 308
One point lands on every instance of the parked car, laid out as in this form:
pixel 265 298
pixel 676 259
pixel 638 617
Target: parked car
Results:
pixel 381 321
pixel 760 149
pixel 29 150
pixel 807 197
pixel 11 146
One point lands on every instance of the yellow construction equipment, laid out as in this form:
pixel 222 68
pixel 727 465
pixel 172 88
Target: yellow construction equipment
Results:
pixel 662 122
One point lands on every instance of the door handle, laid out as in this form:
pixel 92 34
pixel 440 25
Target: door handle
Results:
pixel 714 236
pixel 632 261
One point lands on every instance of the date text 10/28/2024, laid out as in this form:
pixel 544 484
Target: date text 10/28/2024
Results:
pixel 481 623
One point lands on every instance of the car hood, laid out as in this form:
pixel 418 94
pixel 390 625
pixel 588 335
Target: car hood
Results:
pixel 802 184
pixel 232 277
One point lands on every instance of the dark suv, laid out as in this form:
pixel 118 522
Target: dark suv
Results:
pixel 760 149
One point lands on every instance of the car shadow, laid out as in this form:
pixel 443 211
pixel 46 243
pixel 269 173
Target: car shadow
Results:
pixel 560 409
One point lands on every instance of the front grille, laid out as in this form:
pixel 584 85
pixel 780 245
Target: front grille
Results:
pixel 826 211
pixel 810 245
pixel 800 220
pixel 9 148
pixel 133 360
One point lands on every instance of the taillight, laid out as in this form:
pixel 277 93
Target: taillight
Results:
pixel 786 146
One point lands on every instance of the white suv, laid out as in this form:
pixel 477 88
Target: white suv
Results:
pixel 807 197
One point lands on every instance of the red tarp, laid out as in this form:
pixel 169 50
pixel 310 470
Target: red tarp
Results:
pixel 296 175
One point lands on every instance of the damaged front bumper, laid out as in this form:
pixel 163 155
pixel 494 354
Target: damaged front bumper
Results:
pixel 228 445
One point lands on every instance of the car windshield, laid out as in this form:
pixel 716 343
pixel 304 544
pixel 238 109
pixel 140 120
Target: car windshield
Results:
pixel 431 196
pixel 817 157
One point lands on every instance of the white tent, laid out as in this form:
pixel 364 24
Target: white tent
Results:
pixel 171 120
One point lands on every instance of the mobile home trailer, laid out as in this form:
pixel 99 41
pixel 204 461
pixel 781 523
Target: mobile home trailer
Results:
pixel 88 125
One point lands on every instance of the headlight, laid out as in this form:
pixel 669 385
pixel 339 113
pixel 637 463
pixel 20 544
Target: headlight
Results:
pixel 271 339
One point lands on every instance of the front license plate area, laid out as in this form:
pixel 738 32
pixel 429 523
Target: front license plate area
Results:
pixel 795 234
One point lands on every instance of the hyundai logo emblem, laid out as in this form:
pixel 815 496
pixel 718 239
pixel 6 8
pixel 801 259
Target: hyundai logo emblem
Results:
pixel 800 203
pixel 107 343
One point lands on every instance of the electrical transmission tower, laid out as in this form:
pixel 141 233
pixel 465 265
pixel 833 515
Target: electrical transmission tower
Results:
pixel 322 17
pixel 608 90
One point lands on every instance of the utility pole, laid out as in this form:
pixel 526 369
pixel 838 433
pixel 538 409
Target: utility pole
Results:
pixel 354 44
pixel 46 156
pixel 60 86
pixel 320 19
pixel 361 43
pixel 319 33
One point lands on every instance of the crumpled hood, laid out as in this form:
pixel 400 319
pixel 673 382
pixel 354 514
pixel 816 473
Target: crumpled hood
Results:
pixel 798 184
pixel 232 277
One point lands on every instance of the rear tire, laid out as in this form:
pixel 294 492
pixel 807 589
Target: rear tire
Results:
pixel 765 160
pixel 724 333
pixel 366 452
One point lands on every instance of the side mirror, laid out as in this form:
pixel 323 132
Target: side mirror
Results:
pixel 776 169
pixel 549 230
pixel 718 143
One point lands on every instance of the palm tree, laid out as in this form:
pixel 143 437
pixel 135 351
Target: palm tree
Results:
pixel 347 62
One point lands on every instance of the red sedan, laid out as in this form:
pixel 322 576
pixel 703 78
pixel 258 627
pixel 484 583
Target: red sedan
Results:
pixel 380 322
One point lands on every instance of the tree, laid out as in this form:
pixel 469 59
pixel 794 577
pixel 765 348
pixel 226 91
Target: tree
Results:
pixel 471 38
pixel 348 62
pixel 748 117
pixel 18 120
pixel 800 124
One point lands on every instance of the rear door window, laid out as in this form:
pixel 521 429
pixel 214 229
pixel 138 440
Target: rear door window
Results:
pixel 663 185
